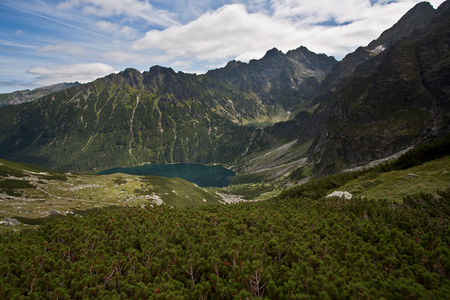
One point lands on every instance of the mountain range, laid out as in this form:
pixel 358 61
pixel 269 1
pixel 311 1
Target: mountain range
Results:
pixel 291 115
pixel 24 96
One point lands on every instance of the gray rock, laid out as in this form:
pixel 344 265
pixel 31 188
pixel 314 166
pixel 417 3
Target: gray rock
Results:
pixel 54 212
pixel 11 222
pixel 411 175
pixel 345 195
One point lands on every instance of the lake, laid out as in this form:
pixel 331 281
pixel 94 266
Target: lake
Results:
pixel 202 175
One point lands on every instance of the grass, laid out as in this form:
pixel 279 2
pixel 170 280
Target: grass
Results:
pixel 30 193
pixel 394 185
pixel 252 191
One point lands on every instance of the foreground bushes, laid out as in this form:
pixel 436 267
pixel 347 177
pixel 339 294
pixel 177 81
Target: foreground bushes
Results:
pixel 296 248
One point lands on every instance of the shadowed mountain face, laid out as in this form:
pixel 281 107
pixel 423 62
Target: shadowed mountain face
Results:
pixel 383 98
pixel 388 101
pixel 417 18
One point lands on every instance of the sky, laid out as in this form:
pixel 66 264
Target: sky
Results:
pixel 43 42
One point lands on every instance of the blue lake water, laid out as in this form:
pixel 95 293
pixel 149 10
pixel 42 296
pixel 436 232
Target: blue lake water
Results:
pixel 202 175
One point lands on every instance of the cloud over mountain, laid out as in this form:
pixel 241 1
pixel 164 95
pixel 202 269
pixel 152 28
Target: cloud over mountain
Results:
pixel 189 35
pixel 70 72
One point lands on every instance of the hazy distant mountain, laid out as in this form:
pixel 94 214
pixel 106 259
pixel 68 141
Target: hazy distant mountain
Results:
pixel 28 96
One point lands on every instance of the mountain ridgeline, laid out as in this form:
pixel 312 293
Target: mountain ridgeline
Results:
pixel 380 99
pixel 158 116
pixel 28 96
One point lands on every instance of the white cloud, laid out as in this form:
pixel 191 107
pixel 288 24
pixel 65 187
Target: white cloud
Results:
pixel 70 73
pixel 219 34
pixel 233 32
pixel 133 56
pixel 68 49
pixel 126 32
pixel 311 12
pixel 129 8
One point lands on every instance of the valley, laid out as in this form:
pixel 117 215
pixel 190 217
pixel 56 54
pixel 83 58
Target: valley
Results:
pixel 32 194
pixel 320 179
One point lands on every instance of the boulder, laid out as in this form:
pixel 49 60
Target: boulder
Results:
pixel 339 194
pixel 411 175
pixel 54 212
pixel 11 222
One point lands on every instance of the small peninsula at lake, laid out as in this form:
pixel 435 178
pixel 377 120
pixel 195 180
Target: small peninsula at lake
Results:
pixel 202 175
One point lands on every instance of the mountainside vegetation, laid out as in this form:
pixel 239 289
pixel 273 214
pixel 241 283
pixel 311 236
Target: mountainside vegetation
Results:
pixel 284 248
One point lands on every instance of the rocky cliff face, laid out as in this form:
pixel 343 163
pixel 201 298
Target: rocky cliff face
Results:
pixel 288 80
pixel 391 101
pixel 415 19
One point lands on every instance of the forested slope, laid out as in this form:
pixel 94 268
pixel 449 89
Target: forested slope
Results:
pixel 280 249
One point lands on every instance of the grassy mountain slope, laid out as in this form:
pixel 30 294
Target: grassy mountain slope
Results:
pixel 424 169
pixel 125 119
pixel 33 192
pixel 395 185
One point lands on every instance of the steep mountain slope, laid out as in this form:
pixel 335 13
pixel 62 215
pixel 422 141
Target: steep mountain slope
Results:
pixel 127 118
pixel 28 96
pixel 379 100
pixel 394 100
pixel 418 17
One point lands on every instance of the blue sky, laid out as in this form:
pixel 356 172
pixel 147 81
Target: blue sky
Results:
pixel 44 42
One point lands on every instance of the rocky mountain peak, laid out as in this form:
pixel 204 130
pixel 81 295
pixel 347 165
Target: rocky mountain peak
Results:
pixel 158 75
pixel 160 69
pixel 287 80
pixel 312 60
pixel 416 18
pixel 412 22
pixel 273 53
pixel 234 64
pixel 132 76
